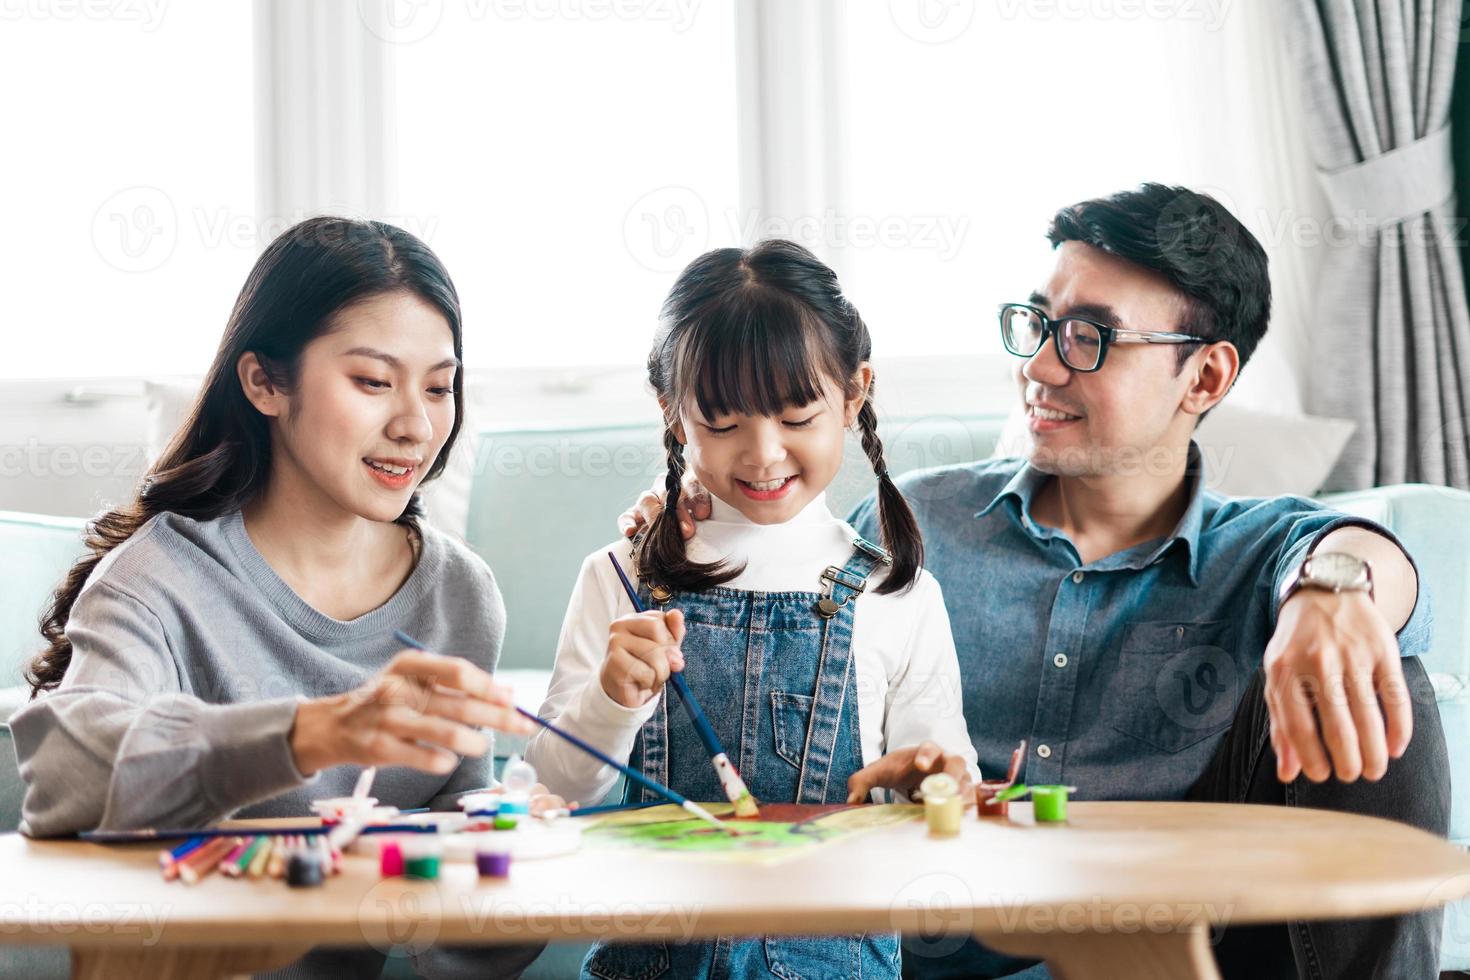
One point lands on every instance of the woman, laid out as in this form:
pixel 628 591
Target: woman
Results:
pixel 226 648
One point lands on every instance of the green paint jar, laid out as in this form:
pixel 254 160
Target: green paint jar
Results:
pixel 424 866
pixel 1049 803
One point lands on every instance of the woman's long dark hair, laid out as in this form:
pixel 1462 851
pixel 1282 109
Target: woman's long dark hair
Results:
pixel 220 458
pixel 756 332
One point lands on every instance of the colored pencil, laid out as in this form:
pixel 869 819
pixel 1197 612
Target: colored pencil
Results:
pixel 730 781
pixel 261 861
pixel 276 866
pixel 596 753
pixel 168 861
pixel 200 863
pixel 241 864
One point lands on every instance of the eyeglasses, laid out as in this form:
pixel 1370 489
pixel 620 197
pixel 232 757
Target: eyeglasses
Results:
pixel 1081 343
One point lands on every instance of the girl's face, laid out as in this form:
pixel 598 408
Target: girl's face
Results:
pixel 372 408
pixel 770 467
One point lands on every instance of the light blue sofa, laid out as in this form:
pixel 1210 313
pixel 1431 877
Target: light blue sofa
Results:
pixel 542 499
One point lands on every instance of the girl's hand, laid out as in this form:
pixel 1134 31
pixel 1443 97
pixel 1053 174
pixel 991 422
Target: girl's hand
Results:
pixel 422 711
pixel 694 506
pixel 904 769
pixel 544 801
pixel 642 650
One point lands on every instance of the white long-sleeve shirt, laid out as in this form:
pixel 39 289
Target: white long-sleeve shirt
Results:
pixel 906 674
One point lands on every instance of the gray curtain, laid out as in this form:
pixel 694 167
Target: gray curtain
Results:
pixel 1390 332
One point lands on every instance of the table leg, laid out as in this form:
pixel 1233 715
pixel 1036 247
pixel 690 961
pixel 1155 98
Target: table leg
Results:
pixel 123 963
pixel 1141 955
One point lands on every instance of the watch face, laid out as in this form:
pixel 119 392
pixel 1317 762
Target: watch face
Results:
pixel 1337 570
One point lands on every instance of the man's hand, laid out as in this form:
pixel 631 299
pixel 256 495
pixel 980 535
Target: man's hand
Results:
pixel 904 769
pixel 1330 661
pixel 693 506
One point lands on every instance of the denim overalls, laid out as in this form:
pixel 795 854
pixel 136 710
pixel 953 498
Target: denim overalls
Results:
pixel 774 673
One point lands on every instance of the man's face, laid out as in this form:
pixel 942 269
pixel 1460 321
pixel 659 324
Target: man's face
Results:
pixel 1120 417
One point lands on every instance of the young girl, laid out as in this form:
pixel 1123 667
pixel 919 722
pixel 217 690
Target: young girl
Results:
pixel 227 647
pixel 813 651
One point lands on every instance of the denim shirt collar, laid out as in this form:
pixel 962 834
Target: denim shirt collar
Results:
pixel 1020 492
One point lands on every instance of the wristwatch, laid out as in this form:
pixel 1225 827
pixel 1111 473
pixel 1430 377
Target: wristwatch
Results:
pixel 1331 571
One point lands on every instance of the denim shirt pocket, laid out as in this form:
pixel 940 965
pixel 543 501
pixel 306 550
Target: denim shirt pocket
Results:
pixel 627 961
pixel 1176 683
pixel 790 716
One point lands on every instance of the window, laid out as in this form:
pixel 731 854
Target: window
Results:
pixel 968 125
pixel 128 175
pixel 566 161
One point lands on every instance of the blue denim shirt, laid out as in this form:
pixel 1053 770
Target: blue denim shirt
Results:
pixel 1123 674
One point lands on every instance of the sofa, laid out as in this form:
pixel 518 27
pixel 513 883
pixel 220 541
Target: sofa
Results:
pixel 539 499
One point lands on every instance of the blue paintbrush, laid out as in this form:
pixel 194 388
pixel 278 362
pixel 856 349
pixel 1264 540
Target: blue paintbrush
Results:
pixel 730 781
pixel 601 756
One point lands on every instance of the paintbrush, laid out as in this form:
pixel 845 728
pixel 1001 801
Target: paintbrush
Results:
pixel 730 781
pixel 596 753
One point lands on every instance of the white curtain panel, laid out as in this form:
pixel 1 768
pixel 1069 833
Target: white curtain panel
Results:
pixel 1390 332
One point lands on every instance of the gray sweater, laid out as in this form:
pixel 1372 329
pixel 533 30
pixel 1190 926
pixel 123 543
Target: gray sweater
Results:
pixel 189 654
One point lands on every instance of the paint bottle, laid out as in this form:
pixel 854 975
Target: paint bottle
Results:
pixel 1049 803
pixel 390 859
pixel 493 862
pixel 421 859
pixel 518 778
pixel 942 804
pixel 987 798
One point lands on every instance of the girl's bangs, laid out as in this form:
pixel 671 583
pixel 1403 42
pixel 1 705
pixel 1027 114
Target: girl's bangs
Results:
pixel 753 358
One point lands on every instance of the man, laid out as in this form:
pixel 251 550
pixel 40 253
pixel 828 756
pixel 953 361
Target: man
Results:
pixel 1149 638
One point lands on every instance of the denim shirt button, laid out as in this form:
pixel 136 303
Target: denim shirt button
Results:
pixel 1077 577
pixel 1060 660
pixel 1044 751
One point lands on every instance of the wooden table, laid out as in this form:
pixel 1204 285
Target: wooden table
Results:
pixel 1124 889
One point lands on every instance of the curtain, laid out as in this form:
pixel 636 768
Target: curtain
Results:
pixel 1390 331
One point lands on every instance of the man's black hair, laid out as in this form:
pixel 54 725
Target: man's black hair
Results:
pixel 1193 242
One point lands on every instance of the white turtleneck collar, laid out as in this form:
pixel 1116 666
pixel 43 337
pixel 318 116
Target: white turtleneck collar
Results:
pixel 785 557
pixel 814 512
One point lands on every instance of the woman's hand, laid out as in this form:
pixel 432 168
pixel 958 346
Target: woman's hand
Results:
pixel 904 769
pixel 423 711
pixel 642 650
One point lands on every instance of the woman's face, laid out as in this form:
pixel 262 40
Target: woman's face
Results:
pixel 372 407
